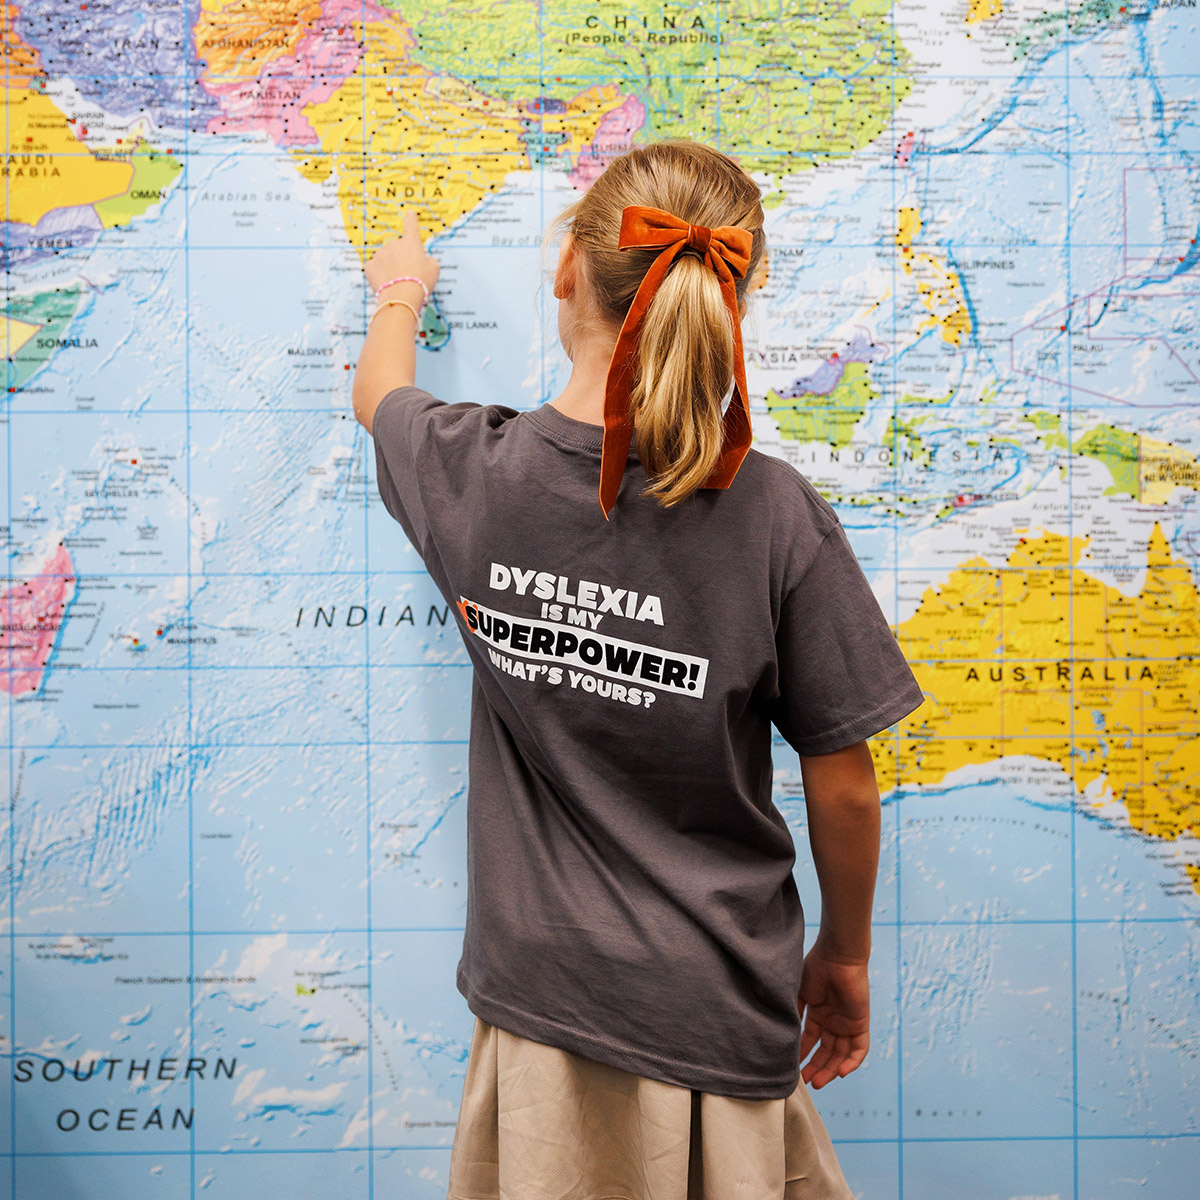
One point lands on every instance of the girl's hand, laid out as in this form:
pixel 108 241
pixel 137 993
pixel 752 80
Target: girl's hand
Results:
pixel 403 255
pixel 835 1000
pixel 388 359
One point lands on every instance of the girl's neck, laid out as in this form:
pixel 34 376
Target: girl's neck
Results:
pixel 583 397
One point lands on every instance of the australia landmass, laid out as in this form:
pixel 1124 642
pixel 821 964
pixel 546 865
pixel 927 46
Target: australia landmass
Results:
pixel 1039 656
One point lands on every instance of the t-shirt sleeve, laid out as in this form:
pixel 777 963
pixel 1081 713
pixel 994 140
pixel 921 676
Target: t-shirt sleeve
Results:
pixel 842 675
pixel 404 420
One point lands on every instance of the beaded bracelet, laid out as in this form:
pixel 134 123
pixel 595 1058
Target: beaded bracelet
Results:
pixel 406 279
pixel 388 303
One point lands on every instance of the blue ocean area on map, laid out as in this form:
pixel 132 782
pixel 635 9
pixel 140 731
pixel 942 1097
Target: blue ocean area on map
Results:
pixel 237 757
pixel 982 870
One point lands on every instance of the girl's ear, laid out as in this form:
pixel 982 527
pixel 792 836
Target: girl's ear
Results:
pixel 565 272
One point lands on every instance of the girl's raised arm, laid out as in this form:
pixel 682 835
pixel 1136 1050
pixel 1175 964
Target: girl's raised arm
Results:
pixel 401 274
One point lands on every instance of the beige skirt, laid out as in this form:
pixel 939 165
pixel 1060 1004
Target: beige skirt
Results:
pixel 540 1123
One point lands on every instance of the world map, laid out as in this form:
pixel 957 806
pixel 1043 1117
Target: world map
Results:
pixel 237 709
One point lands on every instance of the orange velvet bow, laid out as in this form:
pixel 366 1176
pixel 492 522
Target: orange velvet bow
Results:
pixel 726 251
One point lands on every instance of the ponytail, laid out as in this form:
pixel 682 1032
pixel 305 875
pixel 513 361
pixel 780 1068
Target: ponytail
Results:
pixel 685 364
pixel 685 350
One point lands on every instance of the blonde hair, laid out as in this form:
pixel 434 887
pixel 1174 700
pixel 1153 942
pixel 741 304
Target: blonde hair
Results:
pixel 685 352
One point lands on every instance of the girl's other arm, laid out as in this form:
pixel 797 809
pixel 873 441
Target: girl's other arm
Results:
pixel 388 359
pixel 842 801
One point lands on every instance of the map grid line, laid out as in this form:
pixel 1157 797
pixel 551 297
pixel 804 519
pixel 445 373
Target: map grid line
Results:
pixel 1073 750
pixel 367 448
pixel 9 379
pixel 893 260
pixel 191 756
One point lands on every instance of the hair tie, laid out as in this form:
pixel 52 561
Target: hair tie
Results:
pixel 726 251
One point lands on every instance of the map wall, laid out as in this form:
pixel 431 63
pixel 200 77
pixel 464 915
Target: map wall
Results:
pixel 235 708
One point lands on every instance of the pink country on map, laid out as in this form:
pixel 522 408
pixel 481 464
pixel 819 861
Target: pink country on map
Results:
pixel 268 93
pixel 613 138
pixel 31 614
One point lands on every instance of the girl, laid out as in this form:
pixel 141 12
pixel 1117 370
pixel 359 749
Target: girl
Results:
pixel 643 596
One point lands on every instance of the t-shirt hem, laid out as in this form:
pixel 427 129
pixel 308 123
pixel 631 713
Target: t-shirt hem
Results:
pixel 865 726
pixel 404 387
pixel 626 1058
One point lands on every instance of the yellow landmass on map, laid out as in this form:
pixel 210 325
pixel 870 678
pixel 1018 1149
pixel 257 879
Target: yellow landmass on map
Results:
pixel 238 38
pixel 395 136
pixel 908 225
pixel 1040 657
pixel 938 287
pixel 1163 467
pixel 46 166
pixel 14 334
pixel 1143 467
pixel 983 10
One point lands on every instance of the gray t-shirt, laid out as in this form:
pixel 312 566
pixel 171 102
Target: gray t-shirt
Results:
pixel 630 888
